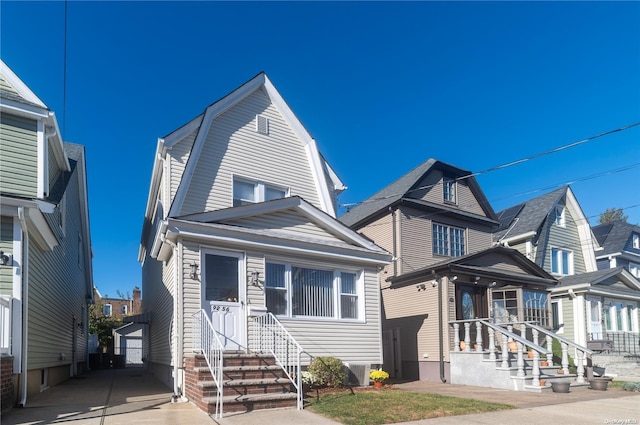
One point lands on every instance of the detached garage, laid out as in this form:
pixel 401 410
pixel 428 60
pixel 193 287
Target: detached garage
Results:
pixel 127 342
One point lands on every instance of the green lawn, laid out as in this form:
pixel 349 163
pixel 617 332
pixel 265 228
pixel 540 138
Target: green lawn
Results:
pixel 389 405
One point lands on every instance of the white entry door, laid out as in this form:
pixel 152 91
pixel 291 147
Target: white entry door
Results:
pixel 223 289
pixel 595 318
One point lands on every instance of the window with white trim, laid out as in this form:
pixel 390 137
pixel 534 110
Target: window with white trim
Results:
pixel 559 219
pixel 449 188
pixel 636 241
pixel 448 240
pixel 620 316
pixel 561 262
pixel 123 309
pixel 634 269
pixel 557 322
pixel 106 310
pixel 250 192
pixel 298 291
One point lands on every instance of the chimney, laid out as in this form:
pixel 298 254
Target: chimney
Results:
pixel 137 301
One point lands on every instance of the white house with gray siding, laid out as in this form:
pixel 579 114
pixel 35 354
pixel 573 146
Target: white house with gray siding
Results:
pixel 45 244
pixel 241 223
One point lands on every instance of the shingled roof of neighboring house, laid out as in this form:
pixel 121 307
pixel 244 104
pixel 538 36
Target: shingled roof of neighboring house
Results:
pixel 527 216
pixel 613 237
pixel 400 188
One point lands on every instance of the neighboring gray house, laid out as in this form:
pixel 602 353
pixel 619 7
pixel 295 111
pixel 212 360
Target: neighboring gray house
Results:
pixel 240 226
pixel 620 242
pixel 45 245
pixel 589 305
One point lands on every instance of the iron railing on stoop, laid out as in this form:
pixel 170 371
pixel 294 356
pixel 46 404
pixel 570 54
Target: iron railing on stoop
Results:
pixel 207 342
pixel 267 335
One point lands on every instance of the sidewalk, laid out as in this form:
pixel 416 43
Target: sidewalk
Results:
pixel 133 396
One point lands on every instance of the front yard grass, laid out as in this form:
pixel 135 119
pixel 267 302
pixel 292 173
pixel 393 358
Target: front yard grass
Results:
pixel 388 405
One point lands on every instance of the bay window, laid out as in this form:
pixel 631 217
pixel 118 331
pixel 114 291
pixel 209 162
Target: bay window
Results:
pixel 298 291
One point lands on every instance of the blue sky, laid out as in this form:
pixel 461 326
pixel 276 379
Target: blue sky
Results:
pixel 380 86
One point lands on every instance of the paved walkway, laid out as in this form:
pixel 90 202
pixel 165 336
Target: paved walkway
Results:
pixel 132 396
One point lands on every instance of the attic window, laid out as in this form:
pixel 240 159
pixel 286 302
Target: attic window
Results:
pixel 262 124
pixel 559 218
pixel 636 241
pixel 449 190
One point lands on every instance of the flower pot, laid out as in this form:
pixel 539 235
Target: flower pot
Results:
pixel 599 384
pixel 530 354
pixel 543 382
pixel 462 345
pixel 560 372
pixel 513 347
pixel 543 363
pixel 560 387
pixel 377 384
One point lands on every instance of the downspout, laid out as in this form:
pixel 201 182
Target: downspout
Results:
pixel 393 232
pixel 177 396
pixel 440 331
pixel 25 307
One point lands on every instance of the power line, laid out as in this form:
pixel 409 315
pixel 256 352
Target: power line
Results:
pixel 502 166
pixel 64 74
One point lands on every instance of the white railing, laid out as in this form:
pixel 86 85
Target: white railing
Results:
pixel 207 342
pixel 267 335
pixel 5 325
pixel 507 337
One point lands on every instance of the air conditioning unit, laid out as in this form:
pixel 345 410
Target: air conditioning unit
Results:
pixel 357 374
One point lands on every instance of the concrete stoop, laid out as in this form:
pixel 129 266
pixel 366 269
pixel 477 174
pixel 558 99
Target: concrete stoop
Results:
pixel 475 368
pixel 250 382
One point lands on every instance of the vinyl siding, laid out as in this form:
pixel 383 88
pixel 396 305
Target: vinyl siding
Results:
pixel 18 156
pixel 192 291
pixel 6 245
pixel 233 147
pixel 54 170
pixel 566 238
pixel 178 157
pixel 57 293
pixel 416 240
pixel 287 222
pixel 158 289
pixel 567 316
pixel 4 85
pixel 433 192
pixel 381 232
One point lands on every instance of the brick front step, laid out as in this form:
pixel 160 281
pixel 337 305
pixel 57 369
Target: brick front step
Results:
pixel 247 403
pixel 251 382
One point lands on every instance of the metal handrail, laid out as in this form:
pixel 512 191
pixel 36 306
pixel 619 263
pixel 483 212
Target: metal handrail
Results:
pixel 559 338
pixel 272 337
pixel 207 342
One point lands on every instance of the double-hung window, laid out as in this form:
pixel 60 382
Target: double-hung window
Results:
pixel 298 291
pixel 561 262
pixel 634 269
pixel 449 190
pixel 250 192
pixel 106 310
pixel 636 241
pixel 448 240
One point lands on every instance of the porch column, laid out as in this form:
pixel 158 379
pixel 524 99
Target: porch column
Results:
pixel 479 336
pixel 580 366
pixel 467 336
pixel 520 361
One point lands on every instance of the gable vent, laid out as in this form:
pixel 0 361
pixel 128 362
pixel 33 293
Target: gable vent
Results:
pixel 262 124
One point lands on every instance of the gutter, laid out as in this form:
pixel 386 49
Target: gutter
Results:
pixel 25 307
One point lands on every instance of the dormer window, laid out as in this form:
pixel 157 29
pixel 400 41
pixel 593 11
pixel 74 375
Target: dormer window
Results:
pixel 250 192
pixel 559 219
pixel 636 241
pixel 449 190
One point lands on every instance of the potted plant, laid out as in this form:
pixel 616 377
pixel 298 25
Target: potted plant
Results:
pixel 378 376
pixel 600 384
pixel 544 363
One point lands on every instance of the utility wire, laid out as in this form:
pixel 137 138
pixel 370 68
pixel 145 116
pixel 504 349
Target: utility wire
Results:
pixel 499 167
pixel 64 75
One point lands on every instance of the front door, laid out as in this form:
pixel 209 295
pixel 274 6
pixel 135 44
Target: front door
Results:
pixel 595 318
pixel 471 303
pixel 223 296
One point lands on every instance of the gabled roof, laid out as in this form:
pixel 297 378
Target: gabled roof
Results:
pixel 613 237
pixel 532 274
pixel 402 187
pixel 527 216
pixel 600 281
pixel 260 81
pixel 226 225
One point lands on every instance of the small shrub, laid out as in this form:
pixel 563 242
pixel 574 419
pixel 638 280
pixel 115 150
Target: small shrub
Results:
pixel 328 371
pixel 631 386
pixel 308 378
